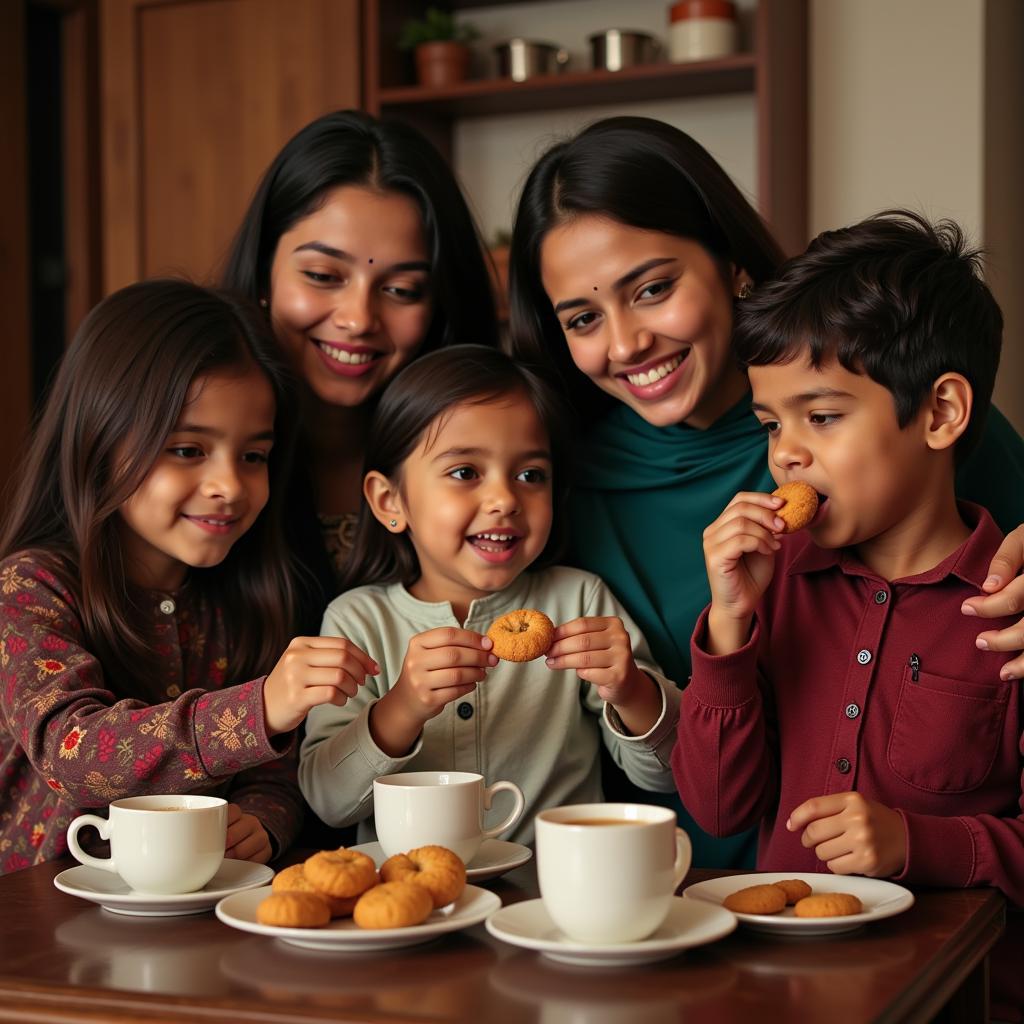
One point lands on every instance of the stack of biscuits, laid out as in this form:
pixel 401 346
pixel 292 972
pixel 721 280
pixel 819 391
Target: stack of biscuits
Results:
pixel 345 883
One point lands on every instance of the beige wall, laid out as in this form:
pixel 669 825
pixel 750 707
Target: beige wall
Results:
pixel 919 103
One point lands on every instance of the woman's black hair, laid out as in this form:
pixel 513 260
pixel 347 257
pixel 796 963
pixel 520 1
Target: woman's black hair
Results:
pixel 423 392
pixel 348 147
pixel 117 395
pixel 642 173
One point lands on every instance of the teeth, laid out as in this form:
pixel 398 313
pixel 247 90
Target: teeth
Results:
pixel 495 536
pixel 657 373
pixel 341 355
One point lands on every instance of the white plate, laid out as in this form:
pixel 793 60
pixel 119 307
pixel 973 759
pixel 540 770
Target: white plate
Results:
pixel 239 911
pixel 689 923
pixel 881 899
pixel 112 892
pixel 494 858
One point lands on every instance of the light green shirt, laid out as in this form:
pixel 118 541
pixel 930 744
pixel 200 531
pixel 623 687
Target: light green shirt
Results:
pixel 525 723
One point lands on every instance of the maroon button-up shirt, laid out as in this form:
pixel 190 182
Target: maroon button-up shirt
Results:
pixel 852 682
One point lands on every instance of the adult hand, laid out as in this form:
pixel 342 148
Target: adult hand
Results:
pixel 852 835
pixel 247 838
pixel 313 670
pixel 1004 588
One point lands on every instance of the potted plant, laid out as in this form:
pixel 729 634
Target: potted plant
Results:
pixel 440 44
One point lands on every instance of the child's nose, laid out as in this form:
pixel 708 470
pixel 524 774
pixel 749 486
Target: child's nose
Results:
pixel 502 498
pixel 223 481
pixel 791 453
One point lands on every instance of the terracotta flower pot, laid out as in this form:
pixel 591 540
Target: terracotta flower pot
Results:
pixel 442 63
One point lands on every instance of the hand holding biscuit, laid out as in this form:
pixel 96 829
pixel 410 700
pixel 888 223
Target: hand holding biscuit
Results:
pixel 599 650
pixel 313 670
pixel 441 665
pixel 852 835
pixel 739 553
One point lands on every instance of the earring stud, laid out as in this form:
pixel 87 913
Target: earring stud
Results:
pixel 744 291
pixel 264 303
pixel 392 523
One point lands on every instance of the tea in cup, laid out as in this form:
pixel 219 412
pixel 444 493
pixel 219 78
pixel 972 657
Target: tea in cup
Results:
pixel 608 872
pixel 159 844
pixel 438 808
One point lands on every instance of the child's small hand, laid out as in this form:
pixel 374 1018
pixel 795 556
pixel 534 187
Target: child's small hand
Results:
pixel 247 838
pixel 852 835
pixel 739 552
pixel 313 670
pixel 599 650
pixel 440 666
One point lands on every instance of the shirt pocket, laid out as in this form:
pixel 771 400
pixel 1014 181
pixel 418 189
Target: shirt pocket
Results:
pixel 946 732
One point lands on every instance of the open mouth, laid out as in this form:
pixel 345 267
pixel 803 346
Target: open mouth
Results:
pixel 495 546
pixel 213 524
pixel 347 361
pixel 654 378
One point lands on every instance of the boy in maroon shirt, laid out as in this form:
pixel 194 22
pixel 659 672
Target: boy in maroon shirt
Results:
pixel 838 697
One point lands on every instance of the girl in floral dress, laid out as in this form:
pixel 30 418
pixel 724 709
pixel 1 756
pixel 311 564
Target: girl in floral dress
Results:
pixel 144 588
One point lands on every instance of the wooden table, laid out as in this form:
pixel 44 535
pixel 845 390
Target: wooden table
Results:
pixel 63 959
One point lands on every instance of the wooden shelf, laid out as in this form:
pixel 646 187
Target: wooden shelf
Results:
pixel 575 88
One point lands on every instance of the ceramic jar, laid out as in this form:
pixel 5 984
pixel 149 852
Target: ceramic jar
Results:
pixel 702 29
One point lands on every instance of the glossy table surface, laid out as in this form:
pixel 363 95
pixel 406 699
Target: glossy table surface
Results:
pixel 64 959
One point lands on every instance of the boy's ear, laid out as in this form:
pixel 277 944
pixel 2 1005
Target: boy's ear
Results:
pixel 949 410
pixel 384 500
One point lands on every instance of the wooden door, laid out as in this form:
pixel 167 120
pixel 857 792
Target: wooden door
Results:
pixel 196 97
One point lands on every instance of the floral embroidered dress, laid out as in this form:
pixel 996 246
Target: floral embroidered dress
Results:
pixel 72 739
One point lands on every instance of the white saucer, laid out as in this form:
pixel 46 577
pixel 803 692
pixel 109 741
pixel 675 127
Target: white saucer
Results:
pixel 689 923
pixel 113 894
pixel 494 858
pixel 881 899
pixel 342 935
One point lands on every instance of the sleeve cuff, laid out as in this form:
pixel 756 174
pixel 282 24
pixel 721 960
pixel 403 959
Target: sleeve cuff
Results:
pixel 940 851
pixel 376 760
pixel 230 730
pixel 664 726
pixel 723 680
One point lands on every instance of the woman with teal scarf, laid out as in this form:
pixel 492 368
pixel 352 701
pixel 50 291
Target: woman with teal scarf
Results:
pixel 631 246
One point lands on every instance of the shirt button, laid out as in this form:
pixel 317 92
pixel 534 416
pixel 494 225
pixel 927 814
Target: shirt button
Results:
pixel 881 597
pixel 173 690
pixel 852 711
pixel 167 606
pixel 465 710
pixel 843 764
pixel 864 656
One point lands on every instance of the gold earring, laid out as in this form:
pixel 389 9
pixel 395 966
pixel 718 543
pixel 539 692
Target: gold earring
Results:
pixel 744 291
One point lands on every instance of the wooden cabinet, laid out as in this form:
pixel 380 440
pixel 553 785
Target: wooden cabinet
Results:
pixel 773 71
pixel 195 100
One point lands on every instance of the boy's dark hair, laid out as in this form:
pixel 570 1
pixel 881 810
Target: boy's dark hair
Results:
pixel 425 391
pixel 893 297
pixel 642 173
pixel 117 394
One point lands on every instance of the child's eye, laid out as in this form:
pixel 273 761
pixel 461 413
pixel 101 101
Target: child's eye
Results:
pixel 256 458
pixel 534 475
pixel 580 321
pixel 185 451
pixel 463 473
pixel 771 426
pixel 823 419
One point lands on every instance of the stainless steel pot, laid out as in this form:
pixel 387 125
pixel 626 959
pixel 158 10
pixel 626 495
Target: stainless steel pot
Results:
pixel 520 59
pixel 615 49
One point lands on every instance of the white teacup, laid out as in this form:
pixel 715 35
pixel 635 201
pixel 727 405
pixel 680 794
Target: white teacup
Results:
pixel 159 844
pixel 444 808
pixel 608 872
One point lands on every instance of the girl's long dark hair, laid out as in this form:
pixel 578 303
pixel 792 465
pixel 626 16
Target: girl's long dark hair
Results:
pixel 348 147
pixel 423 392
pixel 645 174
pixel 117 394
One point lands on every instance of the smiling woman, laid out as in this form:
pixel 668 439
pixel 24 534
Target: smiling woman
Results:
pixel 630 252
pixel 359 246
